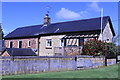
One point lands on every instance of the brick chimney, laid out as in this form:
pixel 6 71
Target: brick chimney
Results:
pixel 47 19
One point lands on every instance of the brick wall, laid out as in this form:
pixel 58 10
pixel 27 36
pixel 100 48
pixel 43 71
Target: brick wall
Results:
pixel 34 43
pixel 5 54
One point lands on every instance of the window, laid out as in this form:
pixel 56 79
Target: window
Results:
pixel 10 44
pixel 81 42
pixel 61 42
pixel 20 44
pixel 72 42
pixel 48 42
pixel 29 43
pixel 107 39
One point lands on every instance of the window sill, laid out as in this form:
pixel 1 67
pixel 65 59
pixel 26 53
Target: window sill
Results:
pixel 48 47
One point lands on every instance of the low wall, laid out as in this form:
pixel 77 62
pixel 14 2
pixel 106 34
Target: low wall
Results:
pixel 36 64
pixel 72 51
pixel 93 62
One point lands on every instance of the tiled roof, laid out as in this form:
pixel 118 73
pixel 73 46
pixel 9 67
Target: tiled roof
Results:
pixel 20 52
pixel 93 24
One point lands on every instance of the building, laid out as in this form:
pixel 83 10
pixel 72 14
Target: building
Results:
pixel 18 52
pixel 50 38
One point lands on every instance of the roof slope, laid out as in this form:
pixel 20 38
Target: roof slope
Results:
pixel 20 52
pixel 62 27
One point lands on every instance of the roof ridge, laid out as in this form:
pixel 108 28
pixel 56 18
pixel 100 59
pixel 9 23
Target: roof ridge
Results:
pixel 60 22
pixel 79 20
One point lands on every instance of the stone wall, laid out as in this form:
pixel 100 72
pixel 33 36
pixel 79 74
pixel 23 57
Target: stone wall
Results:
pixel 72 51
pixel 93 62
pixel 35 64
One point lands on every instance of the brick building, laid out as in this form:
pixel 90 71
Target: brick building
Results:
pixel 47 37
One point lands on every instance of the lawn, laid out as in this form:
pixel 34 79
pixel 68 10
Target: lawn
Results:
pixel 104 72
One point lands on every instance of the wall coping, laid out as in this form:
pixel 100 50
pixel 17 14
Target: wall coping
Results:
pixel 27 57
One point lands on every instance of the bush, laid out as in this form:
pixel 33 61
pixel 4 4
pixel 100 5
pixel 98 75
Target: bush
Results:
pixel 96 47
pixel 93 47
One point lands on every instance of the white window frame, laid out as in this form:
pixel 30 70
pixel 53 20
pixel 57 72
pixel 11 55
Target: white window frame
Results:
pixel 9 43
pixel 29 45
pixel 61 44
pixel 47 43
pixel 18 44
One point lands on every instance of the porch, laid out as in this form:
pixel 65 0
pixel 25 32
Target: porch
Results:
pixel 71 45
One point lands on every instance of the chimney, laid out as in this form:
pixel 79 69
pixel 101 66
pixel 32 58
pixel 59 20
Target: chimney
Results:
pixel 47 19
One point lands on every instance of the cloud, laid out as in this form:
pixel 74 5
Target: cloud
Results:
pixel 84 14
pixel 64 13
pixel 94 6
pixel 67 14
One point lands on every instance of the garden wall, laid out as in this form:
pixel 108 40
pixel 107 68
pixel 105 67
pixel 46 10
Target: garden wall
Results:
pixel 36 64
pixel 84 62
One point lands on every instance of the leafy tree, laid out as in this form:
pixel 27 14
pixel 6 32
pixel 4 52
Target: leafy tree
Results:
pixel 1 33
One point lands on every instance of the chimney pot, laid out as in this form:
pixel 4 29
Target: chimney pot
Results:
pixel 47 19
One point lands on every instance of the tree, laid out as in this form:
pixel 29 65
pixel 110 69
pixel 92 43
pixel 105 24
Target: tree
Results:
pixel 1 32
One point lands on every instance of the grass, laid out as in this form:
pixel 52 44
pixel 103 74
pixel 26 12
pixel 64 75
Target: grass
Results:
pixel 104 72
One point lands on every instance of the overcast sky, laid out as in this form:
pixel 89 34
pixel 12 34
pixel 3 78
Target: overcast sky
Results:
pixel 20 14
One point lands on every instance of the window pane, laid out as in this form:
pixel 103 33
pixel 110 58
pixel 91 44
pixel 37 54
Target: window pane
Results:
pixel 29 43
pixel 62 42
pixel 49 42
pixel 81 41
pixel 20 44
pixel 11 44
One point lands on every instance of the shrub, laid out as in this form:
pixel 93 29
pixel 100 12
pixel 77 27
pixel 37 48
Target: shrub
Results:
pixel 111 50
pixel 96 47
pixel 93 47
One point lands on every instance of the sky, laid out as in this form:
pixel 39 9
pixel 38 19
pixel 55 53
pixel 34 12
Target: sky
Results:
pixel 20 14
